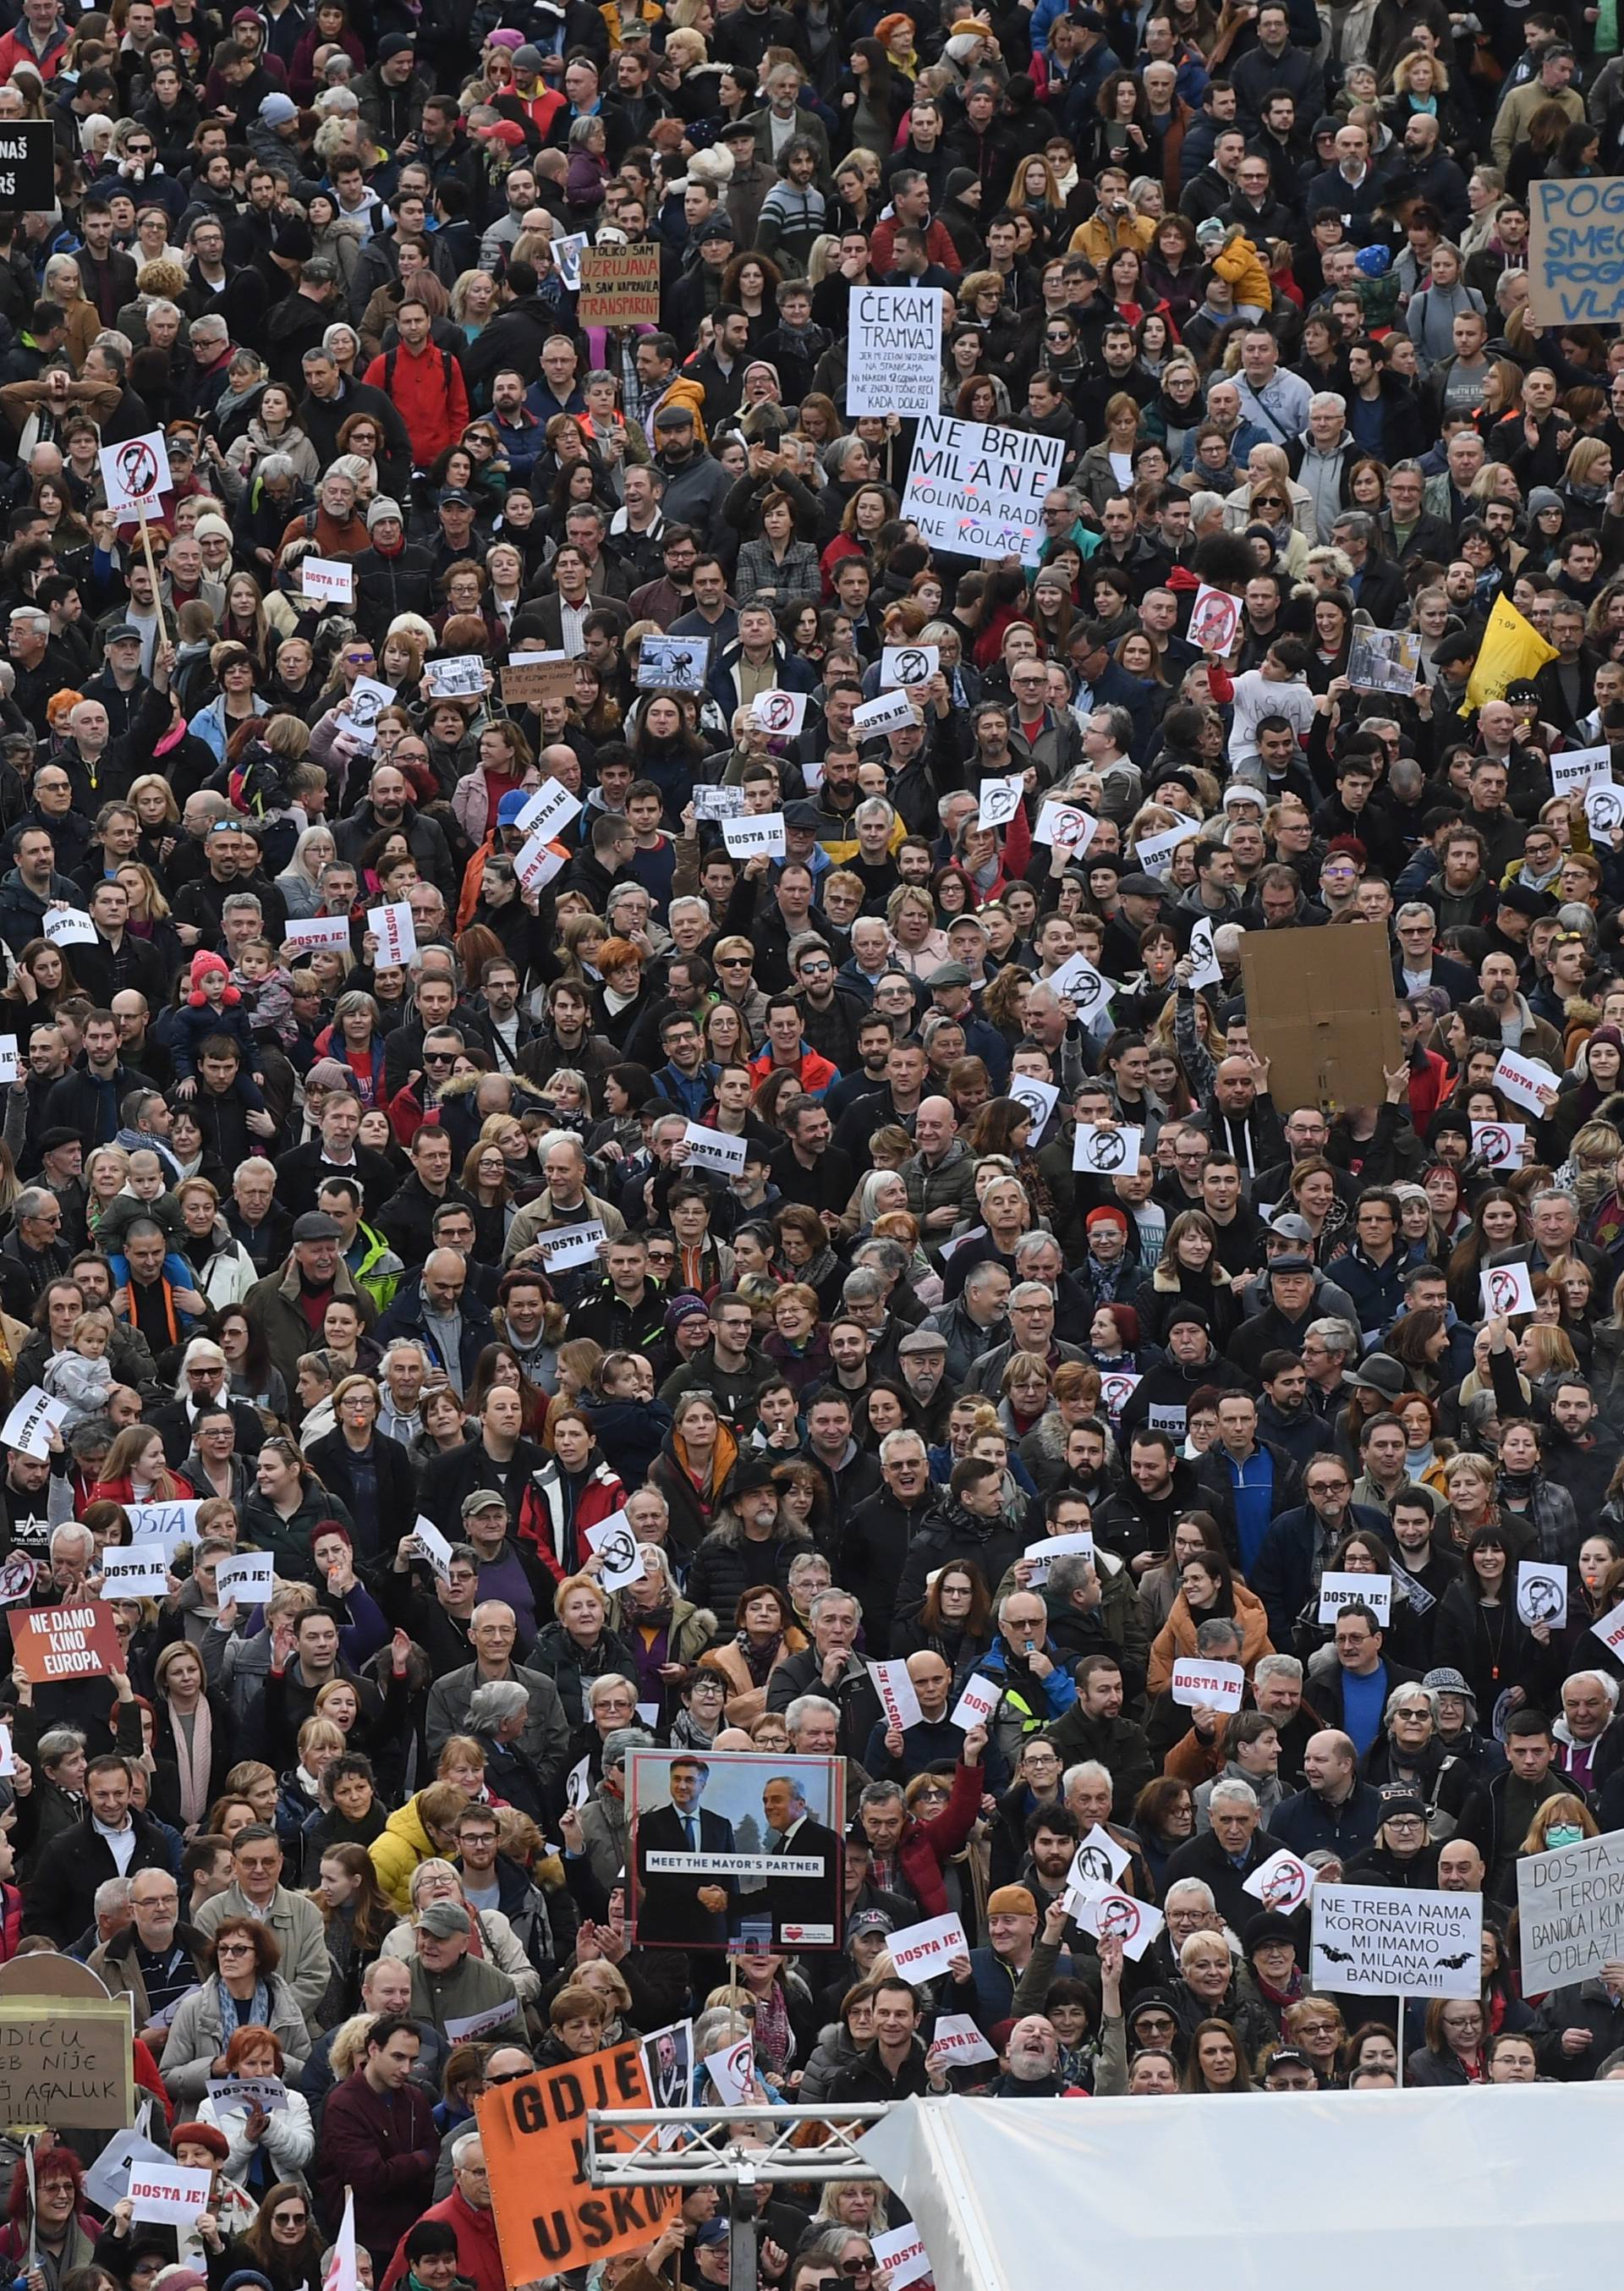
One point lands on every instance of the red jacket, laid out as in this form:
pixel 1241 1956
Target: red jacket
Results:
pixel 928 1847
pixel 1429 1086
pixel 478 2255
pixel 429 393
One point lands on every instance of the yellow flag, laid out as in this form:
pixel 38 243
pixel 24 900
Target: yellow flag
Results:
pixel 1511 647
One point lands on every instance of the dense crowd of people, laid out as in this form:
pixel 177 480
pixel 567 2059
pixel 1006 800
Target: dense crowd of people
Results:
pixel 407 1191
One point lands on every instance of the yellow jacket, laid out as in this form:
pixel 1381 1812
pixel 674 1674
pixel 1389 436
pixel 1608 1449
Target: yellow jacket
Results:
pixel 1242 264
pixel 396 1851
pixel 1099 239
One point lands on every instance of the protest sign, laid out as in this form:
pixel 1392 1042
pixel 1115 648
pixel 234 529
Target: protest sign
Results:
pixel 248 1576
pixel 754 832
pixel 1066 828
pixel 318 934
pixel 109 2177
pixel 269 2093
pixel 27 164
pixel 1104 1152
pixel 571 1245
pixel 1214 618
pixel 620 286
pixel 537 861
pixel 668 2061
pixel 66 2064
pixel 718 802
pixel 459 676
pixel 1610 1630
pixel 397 935
pixel 980 1699
pixel 68 927
pixel 1098 1860
pixel 1040 1099
pixel 1576 251
pixel 548 809
pixel 1338 1591
pixel 1577 768
pixel 1377 1941
pixel 1078 983
pixel 31 1422
pixel 1383 660
pixel 977 490
pixel 918 1953
pixel 8 1057
pixel 172 2194
pixel 1498 1143
pixel 549 2219
pixel 1117 1387
pixel 360 711
pixel 168 1524
pixel 781 713
pixel 1604 807
pixel 733 2071
pixel 1153 854
pixel 567 253
pixel 1542 1594
pixel 1282 1882
pixel 1206 968
pixel 898 1698
pixel 462 2027
pixel 135 475
pixel 894 350
pixel 1077 1543
pixel 886 712
pixel 1000 799
pixel 1570 1911
pixel 1113 1915
pixel 902 2251
pixel 434 1546
pixel 77 1641
pixel 908 664
pixel 672 663
pixel 1199 1685
pixel 135 1570
pixel 1526 1082
pixel 1506 1290
pixel 537 677
pixel 1321 1009
pixel 711 1149
pixel 613 1542
pixel 329 579
pixel 958 2039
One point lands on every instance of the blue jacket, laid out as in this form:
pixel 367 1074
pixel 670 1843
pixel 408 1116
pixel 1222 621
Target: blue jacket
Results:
pixel 989 1994
pixel 790 674
pixel 692 1094
pixel 1282 1575
pixel 404 1318
pixel 1378 1290
pixel 1059 1688
pixel 1306 1824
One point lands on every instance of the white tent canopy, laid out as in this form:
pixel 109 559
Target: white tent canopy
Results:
pixel 1506 2188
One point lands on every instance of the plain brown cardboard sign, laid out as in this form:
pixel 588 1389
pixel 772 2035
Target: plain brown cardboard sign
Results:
pixel 1320 1006
pixel 620 286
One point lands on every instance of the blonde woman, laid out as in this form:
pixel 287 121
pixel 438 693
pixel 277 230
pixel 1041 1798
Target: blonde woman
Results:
pixel 920 947
pixel 83 320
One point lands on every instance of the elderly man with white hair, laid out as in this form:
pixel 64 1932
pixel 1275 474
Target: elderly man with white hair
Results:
pixel 1589 1746
pixel 1225 1855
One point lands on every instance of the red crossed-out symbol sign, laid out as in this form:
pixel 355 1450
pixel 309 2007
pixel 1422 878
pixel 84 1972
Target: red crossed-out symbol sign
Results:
pixel 1119 1919
pixel 137 467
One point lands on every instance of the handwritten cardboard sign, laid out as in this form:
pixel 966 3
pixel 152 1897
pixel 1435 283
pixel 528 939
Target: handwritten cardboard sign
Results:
pixel 620 286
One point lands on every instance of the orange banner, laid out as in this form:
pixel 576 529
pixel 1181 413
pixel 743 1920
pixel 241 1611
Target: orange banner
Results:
pixel 549 2216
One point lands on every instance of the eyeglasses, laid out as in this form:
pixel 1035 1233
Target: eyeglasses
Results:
pixel 737 962
pixel 855 2269
pixel 234 1948
pixel 289 2219
pixel 439 1058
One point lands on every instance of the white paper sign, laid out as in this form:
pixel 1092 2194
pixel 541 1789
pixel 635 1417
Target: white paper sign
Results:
pixel 578 1783
pixel 243 2092
pixel 33 1419
pixel 1154 853
pixel 1282 1882
pixel 168 2193
pixel 397 935
pixel 902 2252
pixel 1214 618
pixel 318 933
pixel 753 833
pixel 1525 1081
pixel 1113 1915
pixel 613 1541
pixel 733 2072
pixel 1098 1860
pixel 1506 1290
pixel 918 1953
pixel 1206 970
pixel 1338 1591
pixel 135 474
pixel 360 711
pixel 8 1057
pixel 567 254
pixel 462 2027
pixel 1040 1099
pixel 888 711
pixel 1542 1593
pixel 248 1576
pixel 68 927
pixel 959 2039
pixel 436 1548
pixel 329 578
pixel 781 713
pixel 905 665
pixel 981 1696
pixel 894 355
pixel 718 802
pixel 1610 1630
pixel 135 1570
pixel 976 489
pixel 171 1525
pixel 711 1149
pixel 1580 767
pixel 1604 807
pixel 1199 1685
pixel 460 676
pixel 571 1245
pixel 1117 1387
pixel 1041 1556
pixel 8 1753
pixel 1499 1143
pixel 1570 1911
pixel 548 809
pixel 1000 799
pixel 898 1698
pixel 1066 828
pixel 1078 983
pixel 536 866
pixel 1379 1940
pixel 1104 1152
pixel 109 2177
pixel 672 663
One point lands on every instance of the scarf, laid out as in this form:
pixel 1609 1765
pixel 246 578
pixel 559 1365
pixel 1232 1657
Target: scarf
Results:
pixel 774 2042
pixel 234 2014
pixel 759 1661
pixel 195 1758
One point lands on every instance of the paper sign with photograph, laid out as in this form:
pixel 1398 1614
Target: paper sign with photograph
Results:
pixel 1499 1143
pixel 1506 1290
pixel 906 665
pixel 1066 828
pixel 780 713
pixel 1214 618
pixel 1384 660
pixel 672 663
pixel 1103 1152
pixel 1542 1594
pixel 730 1845
pixel 1000 799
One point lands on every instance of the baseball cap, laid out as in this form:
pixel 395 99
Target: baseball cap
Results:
pixel 1288 1227
pixel 125 633
pixel 457 493
pixel 483 1499
pixel 511 806
pixel 444 1919
pixel 713 2232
